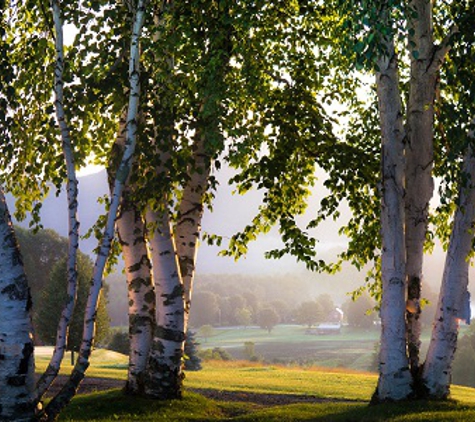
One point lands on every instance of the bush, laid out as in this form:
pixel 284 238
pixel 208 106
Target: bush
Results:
pixel 215 354
pixel 119 342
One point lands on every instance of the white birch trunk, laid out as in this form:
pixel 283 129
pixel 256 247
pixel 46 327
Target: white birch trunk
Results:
pixel 190 215
pixel 82 363
pixel 394 381
pixel 454 298
pixel 426 60
pixel 73 224
pixel 141 296
pixel 16 345
pixel 165 366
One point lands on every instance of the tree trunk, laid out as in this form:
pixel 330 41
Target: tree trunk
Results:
pixel 16 345
pixel 190 214
pixel 426 60
pixel 82 363
pixel 394 381
pixel 73 224
pixel 164 378
pixel 454 300
pixel 141 295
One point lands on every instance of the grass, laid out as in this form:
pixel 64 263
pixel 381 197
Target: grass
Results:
pixel 104 363
pixel 340 395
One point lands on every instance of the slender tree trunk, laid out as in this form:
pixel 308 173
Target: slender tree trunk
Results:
pixel 191 209
pixel 16 345
pixel 73 224
pixel 141 295
pixel 190 215
pixel 82 363
pixel 454 298
pixel 426 60
pixel 165 366
pixel 394 381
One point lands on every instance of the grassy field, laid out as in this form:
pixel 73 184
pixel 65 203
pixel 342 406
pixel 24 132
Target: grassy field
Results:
pixel 335 395
pixel 290 344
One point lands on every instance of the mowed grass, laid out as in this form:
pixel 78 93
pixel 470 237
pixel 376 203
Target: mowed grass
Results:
pixel 335 395
pixel 104 363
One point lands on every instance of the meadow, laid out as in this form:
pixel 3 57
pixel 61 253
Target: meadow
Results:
pixel 289 344
pixel 315 394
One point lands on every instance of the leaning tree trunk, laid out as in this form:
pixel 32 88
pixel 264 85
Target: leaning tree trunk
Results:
pixel 394 381
pixel 82 363
pixel 454 299
pixel 164 379
pixel 188 226
pixel 17 367
pixel 426 60
pixel 73 224
pixel 141 295
pixel 208 131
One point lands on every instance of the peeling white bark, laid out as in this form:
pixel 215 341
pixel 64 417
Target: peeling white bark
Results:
pixel 16 344
pixel 454 299
pixel 394 381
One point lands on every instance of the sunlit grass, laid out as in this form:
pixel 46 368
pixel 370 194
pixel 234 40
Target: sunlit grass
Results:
pixel 340 395
pixel 281 380
pixel 104 363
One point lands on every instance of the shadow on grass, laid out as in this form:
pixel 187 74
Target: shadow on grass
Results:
pixel 113 405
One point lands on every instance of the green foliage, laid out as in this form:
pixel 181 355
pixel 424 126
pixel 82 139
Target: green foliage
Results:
pixel 192 358
pixel 216 353
pixel 309 313
pixel 41 251
pixel 53 298
pixel 463 367
pixel 119 342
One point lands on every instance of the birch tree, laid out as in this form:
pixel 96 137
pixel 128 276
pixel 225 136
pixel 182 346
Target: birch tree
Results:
pixel 17 364
pixel 26 367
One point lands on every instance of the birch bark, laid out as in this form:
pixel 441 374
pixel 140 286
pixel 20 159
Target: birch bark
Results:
pixel 73 224
pixel 394 381
pixel 82 363
pixel 190 214
pixel 165 365
pixel 454 299
pixel 426 60
pixel 140 290
pixel 17 367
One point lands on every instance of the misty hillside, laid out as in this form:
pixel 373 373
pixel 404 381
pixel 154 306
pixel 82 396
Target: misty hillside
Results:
pixel 230 214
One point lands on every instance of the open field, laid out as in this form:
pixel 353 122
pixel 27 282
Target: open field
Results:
pixel 352 348
pixel 315 394
pixel 331 395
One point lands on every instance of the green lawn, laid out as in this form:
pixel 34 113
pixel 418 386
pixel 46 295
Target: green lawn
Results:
pixel 340 395
pixel 345 397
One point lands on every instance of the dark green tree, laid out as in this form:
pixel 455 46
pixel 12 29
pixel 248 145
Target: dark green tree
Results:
pixel 192 358
pixel 52 300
